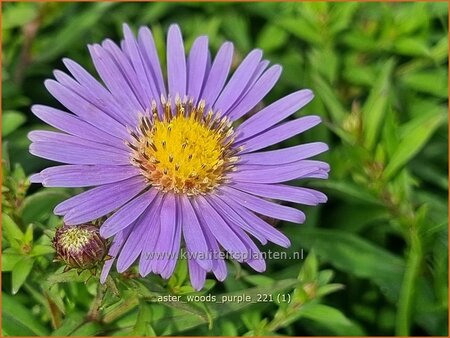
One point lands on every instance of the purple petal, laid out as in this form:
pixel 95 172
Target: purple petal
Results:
pixel 264 207
pixel 127 214
pixel 114 79
pixel 133 245
pixel 286 155
pixel 73 125
pixel 234 88
pixel 283 192
pixel 272 234
pixel 90 97
pixel 219 267
pixel 76 154
pixel 218 73
pixel 176 62
pixel 196 274
pixel 108 195
pixel 218 227
pixel 254 258
pixel 173 253
pixel 36 178
pixel 259 90
pixel 197 61
pixel 86 110
pixel 116 245
pixel 152 219
pixel 193 234
pixel 273 114
pixel 143 73
pixel 234 218
pixel 167 234
pixel 280 173
pixel 150 56
pixel 96 93
pixel 86 175
pixel 279 133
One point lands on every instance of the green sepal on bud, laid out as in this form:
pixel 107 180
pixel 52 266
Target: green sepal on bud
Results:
pixel 80 247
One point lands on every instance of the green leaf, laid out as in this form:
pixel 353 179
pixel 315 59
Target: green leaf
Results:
pixel 271 37
pixel 40 205
pixel 17 320
pixel 332 319
pixel 143 325
pixel 19 15
pixel 11 120
pixel 375 107
pixel 432 82
pixel 309 270
pixel 329 98
pixel 72 322
pixel 11 231
pixel 356 256
pixel 414 135
pixel 40 250
pixel 20 272
pixel 9 260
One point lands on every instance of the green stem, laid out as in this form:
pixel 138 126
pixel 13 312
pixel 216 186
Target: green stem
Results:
pixel 412 269
pixel 94 311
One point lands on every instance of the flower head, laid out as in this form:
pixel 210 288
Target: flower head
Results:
pixel 173 164
pixel 79 247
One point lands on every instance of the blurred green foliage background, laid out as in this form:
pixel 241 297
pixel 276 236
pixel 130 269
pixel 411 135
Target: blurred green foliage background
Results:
pixel 377 252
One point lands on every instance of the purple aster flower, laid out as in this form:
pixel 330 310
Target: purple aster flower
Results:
pixel 172 164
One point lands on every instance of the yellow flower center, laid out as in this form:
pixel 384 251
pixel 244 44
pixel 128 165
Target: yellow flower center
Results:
pixel 75 239
pixel 182 149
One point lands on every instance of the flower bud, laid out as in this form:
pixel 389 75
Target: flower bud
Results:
pixel 79 246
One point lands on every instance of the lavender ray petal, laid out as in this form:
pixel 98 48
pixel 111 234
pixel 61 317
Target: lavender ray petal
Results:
pixel 286 155
pixel 176 62
pixel 283 192
pixel 277 174
pixel 143 73
pixel 219 268
pixel 114 250
pixel 272 234
pixel 91 97
pixel 273 114
pixel 75 154
pixel 167 234
pixel 265 207
pixel 236 219
pixel 73 125
pixel 254 259
pixel 279 133
pixel 36 178
pixel 126 69
pixel 127 214
pixel 218 227
pixel 148 257
pixel 115 80
pixel 197 62
pixel 234 88
pixel 197 275
pixel 97 93
pixel 218 73
pixel 257 92
pixel 46 136
pixel 117 190
pixel 193 235
pixel 86 175
pixel 85 110
pixel 150 56
pixel 132 247
pixel 173 253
